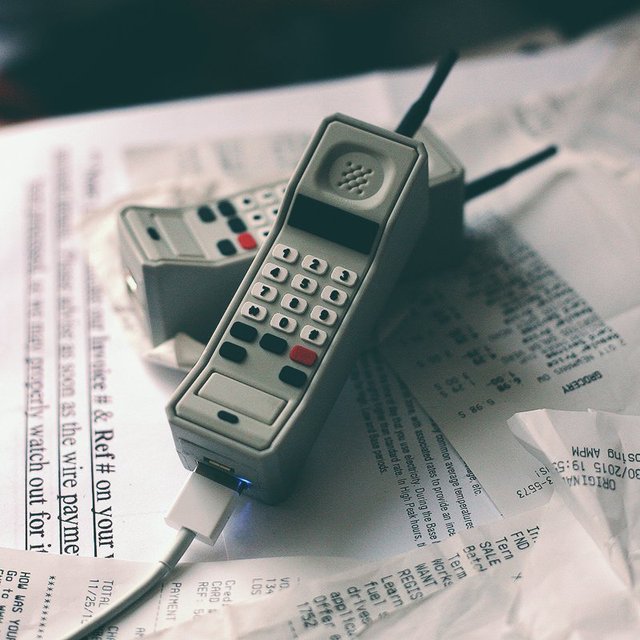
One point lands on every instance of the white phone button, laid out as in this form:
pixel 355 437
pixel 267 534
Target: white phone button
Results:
pixel 253 311
pixel 313 335
pixel 266 196
pixel 244 202
pixel 255 218
pixel 285 253
pixel 344 276
pixel 274 272
pixel 315 265
pixel 324 315
pixel 334 296
pixel 283 323
pixel 262 233
pixel 304 284
pixel 293 303
pixel 273 211
pixel 264 292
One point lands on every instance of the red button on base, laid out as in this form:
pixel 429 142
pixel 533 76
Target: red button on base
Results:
pixel 302 355
pixel 247 241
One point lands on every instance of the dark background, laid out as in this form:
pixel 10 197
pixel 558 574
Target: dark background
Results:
pixel 67 56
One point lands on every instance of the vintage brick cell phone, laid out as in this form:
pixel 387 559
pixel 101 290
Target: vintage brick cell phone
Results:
pixel 351 214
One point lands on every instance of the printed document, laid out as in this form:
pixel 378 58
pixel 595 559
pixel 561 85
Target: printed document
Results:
pixel 416 482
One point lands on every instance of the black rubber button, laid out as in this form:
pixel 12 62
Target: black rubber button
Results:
pixel 236 225
pixel 233 352
pixel 243 331
pixel 153 233
pixel 231 418
pixel 272 343
pixel 294 377
pixel 206 214
pixel 226 208
pixel 226 247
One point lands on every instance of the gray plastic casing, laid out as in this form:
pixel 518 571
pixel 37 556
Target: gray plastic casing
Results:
pixel 188 294
pixel 271 468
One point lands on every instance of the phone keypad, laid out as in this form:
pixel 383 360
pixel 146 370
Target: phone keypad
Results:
pixel 214 231
pixel 240 223
pixel 300 300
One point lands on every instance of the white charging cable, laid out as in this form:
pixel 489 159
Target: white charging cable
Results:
pixel 201 511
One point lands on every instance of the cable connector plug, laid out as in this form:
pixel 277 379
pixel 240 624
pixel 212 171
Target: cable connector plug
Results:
pixel 205 503
pixel 201 510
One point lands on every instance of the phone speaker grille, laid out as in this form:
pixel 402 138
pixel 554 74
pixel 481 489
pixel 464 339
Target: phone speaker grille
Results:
pixel 355 178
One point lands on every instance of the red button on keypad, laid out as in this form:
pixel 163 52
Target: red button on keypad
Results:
pixel 247 241
pixel 302 355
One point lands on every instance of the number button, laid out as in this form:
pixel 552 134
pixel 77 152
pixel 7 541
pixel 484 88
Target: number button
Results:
pixel 313 335
pixel 304 284
pixel 283 323
pixel 244 332
pixel 334 296
pixel 226 247
pixel 285 254
pixel 344 276
pixel 267 196
pixel 274 344
pixel 262 234
pixel 264 292
pixel 274 272
pixel 244 202
pixel 253 311
pixel 324 315
pixel 292 376
pixel 256 219
pixel 315 265
pixel 293 303
pixel 233 352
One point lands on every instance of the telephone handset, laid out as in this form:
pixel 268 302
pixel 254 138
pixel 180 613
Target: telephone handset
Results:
pixel 254 402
